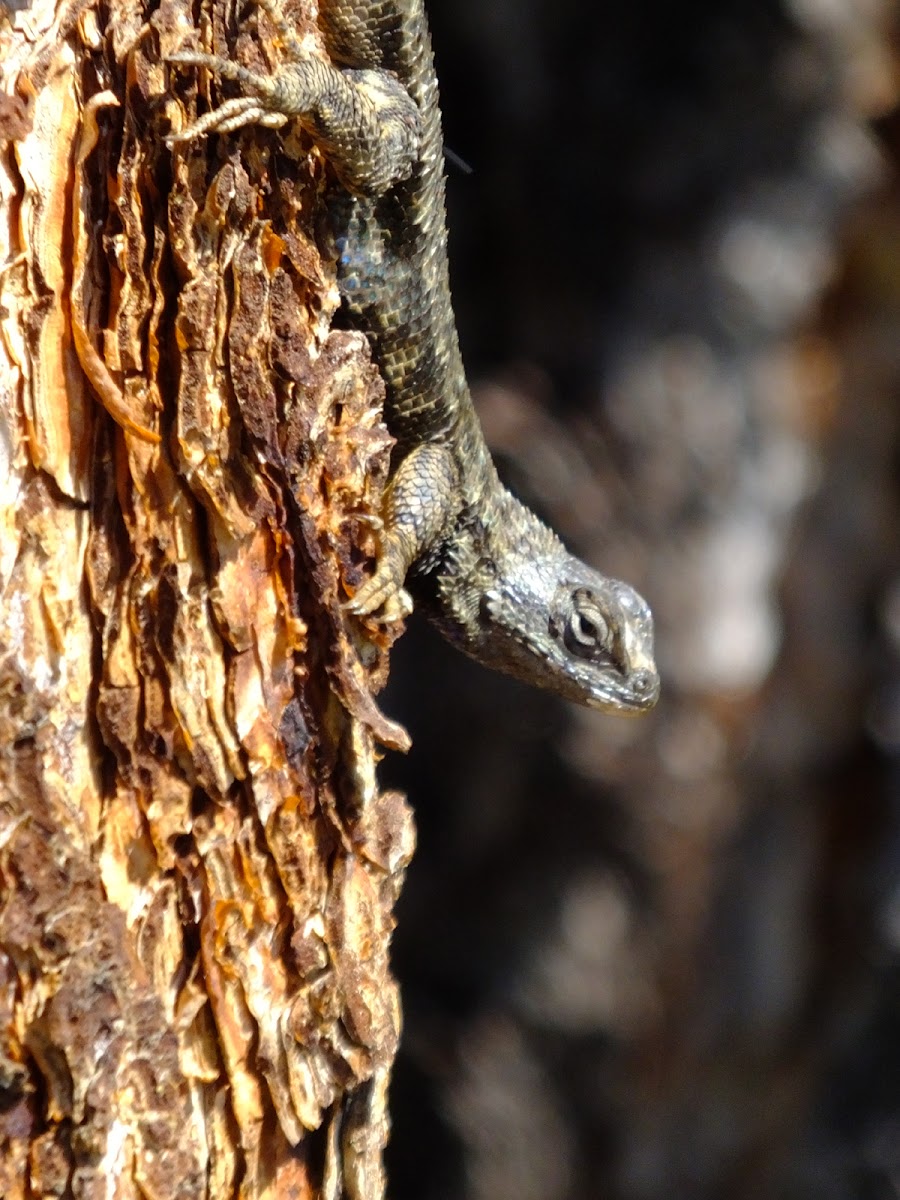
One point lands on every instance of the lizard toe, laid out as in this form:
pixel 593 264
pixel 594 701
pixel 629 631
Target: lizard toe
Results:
pixel 381 592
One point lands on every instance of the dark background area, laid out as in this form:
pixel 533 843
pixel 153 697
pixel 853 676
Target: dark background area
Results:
pixel 660 957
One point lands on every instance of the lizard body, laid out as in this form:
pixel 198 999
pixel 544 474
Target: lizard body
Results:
pixel 494 578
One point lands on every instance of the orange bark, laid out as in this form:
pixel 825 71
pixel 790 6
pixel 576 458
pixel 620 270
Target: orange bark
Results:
pixel 197 868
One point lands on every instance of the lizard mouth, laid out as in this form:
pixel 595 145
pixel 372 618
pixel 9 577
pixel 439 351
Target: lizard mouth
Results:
pixel 635 691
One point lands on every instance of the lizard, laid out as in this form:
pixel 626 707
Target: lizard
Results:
pixel 494 578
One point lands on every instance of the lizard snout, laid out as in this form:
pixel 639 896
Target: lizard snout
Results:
pixel 644 684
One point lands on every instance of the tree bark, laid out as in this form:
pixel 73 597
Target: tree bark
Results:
pixel 197 867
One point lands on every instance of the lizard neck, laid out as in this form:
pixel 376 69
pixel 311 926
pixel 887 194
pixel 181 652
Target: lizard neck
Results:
pixel 494 537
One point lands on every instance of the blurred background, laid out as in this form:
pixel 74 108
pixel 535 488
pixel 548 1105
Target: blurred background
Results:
pixel 660 958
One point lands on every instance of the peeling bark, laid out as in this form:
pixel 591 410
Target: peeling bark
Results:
pixel 197 868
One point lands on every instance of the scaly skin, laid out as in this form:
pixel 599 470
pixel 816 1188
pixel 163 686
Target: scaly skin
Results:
pixel 498 583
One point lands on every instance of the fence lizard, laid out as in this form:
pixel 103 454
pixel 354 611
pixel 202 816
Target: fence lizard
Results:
pixel 497 582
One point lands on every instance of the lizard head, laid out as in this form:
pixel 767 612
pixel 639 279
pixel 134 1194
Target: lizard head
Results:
pixel 556 623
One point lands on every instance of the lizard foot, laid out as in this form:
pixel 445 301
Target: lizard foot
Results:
pixel 292 90
pixel 271 100
pixel 364 120
pixel 381 592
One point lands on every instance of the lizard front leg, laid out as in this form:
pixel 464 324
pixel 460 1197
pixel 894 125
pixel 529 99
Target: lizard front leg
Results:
pixel 418 510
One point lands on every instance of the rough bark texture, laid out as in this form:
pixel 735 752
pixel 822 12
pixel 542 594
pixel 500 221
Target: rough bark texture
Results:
pixel 198 870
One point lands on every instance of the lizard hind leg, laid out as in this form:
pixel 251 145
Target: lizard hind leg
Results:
pixel 364 120
pixel 293 90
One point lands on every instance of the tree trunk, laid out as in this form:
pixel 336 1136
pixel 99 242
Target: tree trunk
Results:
pixel 197 869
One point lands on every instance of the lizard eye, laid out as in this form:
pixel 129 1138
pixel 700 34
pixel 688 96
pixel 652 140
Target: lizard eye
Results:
pixel 586 632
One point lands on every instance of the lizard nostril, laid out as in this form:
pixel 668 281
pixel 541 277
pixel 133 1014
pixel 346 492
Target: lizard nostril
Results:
pixel 643 682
